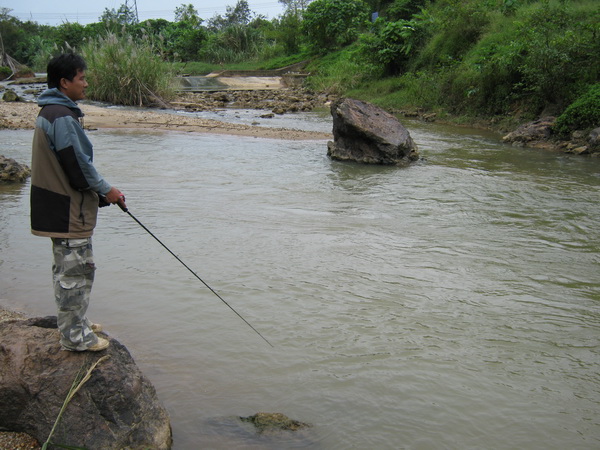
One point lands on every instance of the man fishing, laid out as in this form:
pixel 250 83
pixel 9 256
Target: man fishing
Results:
pixel 66 191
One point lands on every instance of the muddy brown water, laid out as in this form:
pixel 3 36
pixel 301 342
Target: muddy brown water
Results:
pixel 454 304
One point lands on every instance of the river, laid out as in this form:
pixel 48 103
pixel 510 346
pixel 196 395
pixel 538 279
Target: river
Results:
pixel 454 304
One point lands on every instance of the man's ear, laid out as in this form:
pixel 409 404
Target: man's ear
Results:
pixel 62 84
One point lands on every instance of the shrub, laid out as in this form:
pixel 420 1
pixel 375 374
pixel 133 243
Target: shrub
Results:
pixel 5 72
pixel 331 24
pixel 392 43
pixel 403 9
pixel 583 113
pixel 556 51
pixel 124 71
pixel 234 43
pixel 339 71
pixel 455 26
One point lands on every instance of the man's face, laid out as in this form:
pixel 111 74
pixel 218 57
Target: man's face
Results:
pixel 75 89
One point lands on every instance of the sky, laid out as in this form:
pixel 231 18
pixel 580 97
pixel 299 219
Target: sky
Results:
pixel 56 12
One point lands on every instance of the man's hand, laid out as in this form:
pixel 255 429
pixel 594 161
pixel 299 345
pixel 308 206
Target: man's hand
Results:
pixel 116 196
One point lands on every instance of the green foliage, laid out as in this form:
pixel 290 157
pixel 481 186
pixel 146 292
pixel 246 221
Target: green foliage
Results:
pixel 70 34
pixel 194 68
pixel 240 14
pixel 295 7
pixel 340 71
pixel 391 44
pixel 557 51
pixel 403 9
pixel 42 52
pixel 187 13
pixel 125 71
pixel 488 57
pixel 413 90
pixel 282 61
pixel 183 40
pixel 539 57
pixel 235 43
pixel 493 57
pixel 331 24
pixel 454 26
pixel 289 32
pixel 5 72
pixel 120 17
pixel 583 113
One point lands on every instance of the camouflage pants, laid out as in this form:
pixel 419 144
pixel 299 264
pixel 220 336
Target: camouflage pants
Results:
pixel 73 275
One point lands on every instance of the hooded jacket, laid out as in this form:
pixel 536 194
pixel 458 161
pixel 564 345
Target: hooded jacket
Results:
pixel 64 182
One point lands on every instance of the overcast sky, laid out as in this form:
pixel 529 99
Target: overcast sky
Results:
pixel 55 12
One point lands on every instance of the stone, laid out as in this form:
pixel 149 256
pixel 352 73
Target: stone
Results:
pixel 269 422
pixel 116 408
pixel 594 138
pixel 581 150
pixel 536 131
pixel 13 172
pixel 365 133
pixel 10 96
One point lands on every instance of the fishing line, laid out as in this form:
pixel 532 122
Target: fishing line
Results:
pixel 192 272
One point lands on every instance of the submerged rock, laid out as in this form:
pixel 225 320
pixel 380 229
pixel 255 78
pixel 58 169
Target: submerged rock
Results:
pixel 266 422
pixel 116 408
pixel 365 133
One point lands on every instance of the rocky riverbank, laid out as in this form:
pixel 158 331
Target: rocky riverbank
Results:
pixel 268 103
pixel 21 115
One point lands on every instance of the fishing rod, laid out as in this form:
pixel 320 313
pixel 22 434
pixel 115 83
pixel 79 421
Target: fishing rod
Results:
pixel 125 209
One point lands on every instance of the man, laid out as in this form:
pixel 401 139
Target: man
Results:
pixel 66 191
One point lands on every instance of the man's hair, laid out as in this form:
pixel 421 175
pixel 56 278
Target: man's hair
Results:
pixel 64 66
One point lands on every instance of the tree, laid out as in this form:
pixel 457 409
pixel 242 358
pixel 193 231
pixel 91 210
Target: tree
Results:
pixel 240 14
pixel 295 6
pixel 288 32
pixel 123 16
pixel 187 13
pixel 331 24
pixel 71 34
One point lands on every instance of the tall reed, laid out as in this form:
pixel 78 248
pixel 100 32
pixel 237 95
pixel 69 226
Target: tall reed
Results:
pixel 80 379
pixel 127 71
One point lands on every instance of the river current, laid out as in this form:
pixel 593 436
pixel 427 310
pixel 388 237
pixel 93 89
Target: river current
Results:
pixel 454 304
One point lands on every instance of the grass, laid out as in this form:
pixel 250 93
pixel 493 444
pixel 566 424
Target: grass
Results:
pixel 80 379
pixel 125 71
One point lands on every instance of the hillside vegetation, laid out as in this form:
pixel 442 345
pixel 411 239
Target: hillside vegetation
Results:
pixel 503 61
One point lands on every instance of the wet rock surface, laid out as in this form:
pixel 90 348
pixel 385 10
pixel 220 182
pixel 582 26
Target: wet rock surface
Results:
pixel 272 422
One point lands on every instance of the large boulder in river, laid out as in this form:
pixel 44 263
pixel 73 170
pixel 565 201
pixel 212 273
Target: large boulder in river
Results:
pixel 365 133
pixel 116 408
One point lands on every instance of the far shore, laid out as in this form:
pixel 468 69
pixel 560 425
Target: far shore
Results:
pixel 22 115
